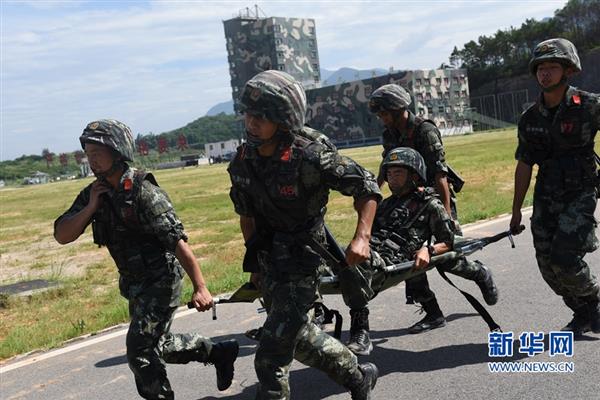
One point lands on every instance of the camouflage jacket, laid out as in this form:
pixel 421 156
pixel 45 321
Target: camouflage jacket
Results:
pixel 297 180
pixel 423 136
pixel 138 225
pixel 561 143
pixel 413 218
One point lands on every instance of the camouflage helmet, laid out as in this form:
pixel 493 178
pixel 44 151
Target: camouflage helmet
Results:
pixel 405 157
pixel 388 98
pixel 277 96
pixel 555 50
pixel 111 133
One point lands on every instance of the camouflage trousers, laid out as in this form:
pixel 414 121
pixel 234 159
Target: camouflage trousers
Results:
pixel 357 282
pixel 289 333
pixel 418 290
pixel 563 229
pixel 149 342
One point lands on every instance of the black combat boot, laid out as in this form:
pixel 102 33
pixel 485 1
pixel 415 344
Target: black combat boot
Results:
pixel 486 284
pixel 361 387
pixel 594 310
pixel 359 343
pixel 222 356
pixel 434 318
pixel 580 323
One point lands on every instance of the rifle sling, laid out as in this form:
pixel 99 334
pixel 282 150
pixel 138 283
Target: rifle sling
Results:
pixel 494 327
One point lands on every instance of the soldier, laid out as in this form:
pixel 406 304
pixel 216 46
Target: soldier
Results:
pixel 281 178
pixel 390 103
pixel 557 133
pixel 135 220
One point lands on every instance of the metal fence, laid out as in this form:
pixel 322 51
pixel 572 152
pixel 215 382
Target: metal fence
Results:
pixel 500 108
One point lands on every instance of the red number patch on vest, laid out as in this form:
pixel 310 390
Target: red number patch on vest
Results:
pixel 576 99
pixel 287 191
pixel 566 127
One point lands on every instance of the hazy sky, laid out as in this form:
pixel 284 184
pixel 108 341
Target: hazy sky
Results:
pixel 157 65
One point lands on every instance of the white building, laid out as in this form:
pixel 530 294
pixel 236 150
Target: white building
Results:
pixel 221 149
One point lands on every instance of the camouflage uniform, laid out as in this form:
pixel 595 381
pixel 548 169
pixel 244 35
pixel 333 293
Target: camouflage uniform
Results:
pixel 561 143
pixel 425 138
pixel 286 195
pixel 392 216
pixel 138 225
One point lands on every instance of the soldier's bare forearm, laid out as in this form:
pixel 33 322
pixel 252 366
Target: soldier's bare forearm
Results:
pixel 248 227
pixel 68 229
pixel 522 180
pixel 365 208
pixel 190 264
pixel 442 188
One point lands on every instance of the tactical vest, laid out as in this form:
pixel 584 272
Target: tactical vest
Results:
pixel 116 225
pixel 402 226
pixel 282 187
pixel 562 146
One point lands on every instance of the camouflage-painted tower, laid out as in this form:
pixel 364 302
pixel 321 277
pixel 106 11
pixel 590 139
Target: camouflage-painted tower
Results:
pixel 257 44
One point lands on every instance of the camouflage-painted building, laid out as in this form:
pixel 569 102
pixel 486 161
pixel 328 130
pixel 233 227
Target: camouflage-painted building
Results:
pixel 341 111
pixel 258 44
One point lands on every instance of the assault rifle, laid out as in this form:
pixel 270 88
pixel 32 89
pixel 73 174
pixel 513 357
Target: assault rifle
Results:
pixel 392 274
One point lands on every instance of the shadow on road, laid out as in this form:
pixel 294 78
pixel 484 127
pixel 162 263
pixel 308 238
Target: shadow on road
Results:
pixel 247 347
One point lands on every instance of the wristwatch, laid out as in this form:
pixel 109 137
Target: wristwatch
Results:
pixel 431 250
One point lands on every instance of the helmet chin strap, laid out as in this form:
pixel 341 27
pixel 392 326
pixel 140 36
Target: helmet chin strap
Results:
pixel 408 187
pixel 563 80
pixel 117 165
pixel 255 142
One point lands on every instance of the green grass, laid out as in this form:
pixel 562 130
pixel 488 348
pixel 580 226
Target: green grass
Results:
pixel 89 300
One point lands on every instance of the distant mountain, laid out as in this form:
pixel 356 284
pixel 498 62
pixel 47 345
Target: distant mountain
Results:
pixel 328 77
pixel 224 107
pixel 349 74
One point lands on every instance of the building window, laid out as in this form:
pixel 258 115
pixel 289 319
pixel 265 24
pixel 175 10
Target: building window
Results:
pixel 441 109
pixel 456 80
pixel 210 146
pixel 418 82
pixel 428 96
pixel 314 54
pixel 276 28
pixel 281 67
pixel 421 111
pixel 316 67
pixel 456 93
pixel 438 81
pixel 222 145
pixel 442 124
pixel 277 41
pixel 463 93
pixel 429 110
pixel 420 96
pixel 446 81
pixel 280 54
pixel 311 43
pixel 311 30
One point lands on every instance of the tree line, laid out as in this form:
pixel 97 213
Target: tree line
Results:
pixel 507 52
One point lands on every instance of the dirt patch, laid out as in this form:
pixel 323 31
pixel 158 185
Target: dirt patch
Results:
pixel 45 258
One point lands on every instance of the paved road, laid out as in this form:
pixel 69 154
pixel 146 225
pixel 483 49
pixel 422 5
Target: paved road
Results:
pixel 448 363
